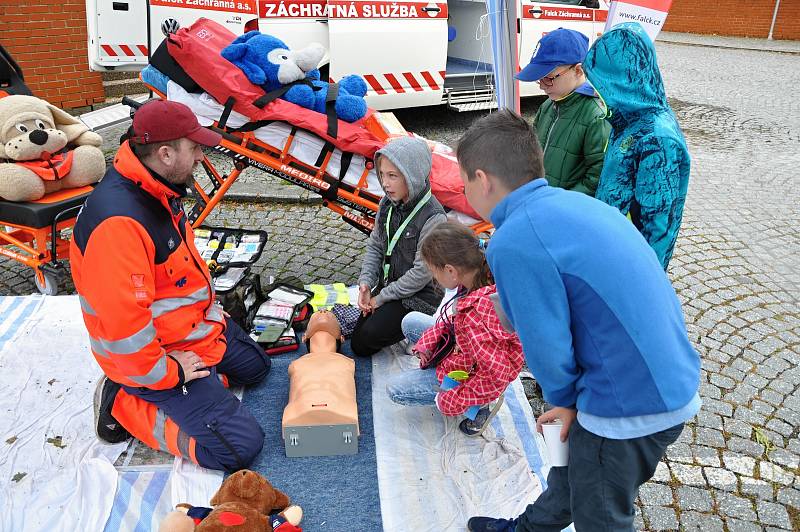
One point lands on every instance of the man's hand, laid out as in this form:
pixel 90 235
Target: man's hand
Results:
pixel 222 309
pixel 364 299
pixel 193 366
pixel 373 304
pixel 565 415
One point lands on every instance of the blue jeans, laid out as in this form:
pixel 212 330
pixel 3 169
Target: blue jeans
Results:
pixel 416 387
pixel 414 324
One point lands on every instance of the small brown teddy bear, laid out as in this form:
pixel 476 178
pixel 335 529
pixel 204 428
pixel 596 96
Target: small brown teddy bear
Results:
pixel 244 503
pixel 33 138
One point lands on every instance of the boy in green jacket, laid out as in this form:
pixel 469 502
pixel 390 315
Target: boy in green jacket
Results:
pixel 570 123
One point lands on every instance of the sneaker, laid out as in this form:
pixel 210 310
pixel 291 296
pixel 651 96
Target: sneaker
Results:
pixel 474 428
pixel 409 347
pixel 402 348
pixel 106 427
pixel 490 524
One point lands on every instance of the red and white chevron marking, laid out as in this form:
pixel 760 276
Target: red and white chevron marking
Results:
pixel 401 83
pixel 124 50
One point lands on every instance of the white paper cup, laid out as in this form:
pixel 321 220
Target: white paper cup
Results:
pixel 557 449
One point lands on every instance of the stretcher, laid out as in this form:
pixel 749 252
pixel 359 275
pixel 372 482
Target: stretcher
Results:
pixel 352 193
pixel 296 150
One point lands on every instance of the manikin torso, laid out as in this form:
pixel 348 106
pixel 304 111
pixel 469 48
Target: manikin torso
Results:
pixel 322 388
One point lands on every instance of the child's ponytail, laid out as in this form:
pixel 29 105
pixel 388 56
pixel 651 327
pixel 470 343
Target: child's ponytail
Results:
pixel 455 244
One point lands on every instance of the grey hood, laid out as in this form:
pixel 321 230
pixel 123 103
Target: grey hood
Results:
pixel 412 157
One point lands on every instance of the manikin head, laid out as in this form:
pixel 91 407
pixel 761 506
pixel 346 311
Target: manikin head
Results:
pixel 323 334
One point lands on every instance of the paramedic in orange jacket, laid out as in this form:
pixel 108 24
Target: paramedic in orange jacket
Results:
pixel 167 349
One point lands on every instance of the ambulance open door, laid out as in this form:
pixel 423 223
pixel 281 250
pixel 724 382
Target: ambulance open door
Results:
pixel 538 18
pixel 123 33
pixel 166 16
pixel 117 34
pixel 398 47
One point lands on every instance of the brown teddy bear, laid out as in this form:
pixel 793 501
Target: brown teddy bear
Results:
pixel 34 136
pixel 244 503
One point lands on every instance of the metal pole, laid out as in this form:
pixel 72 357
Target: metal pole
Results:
pixel 504 55
pixel 514 42
pixel 774 16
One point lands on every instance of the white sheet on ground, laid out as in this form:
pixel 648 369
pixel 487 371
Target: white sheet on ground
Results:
pixel 192 483
pixel 65 476
pixel 56 475
pixel 432 478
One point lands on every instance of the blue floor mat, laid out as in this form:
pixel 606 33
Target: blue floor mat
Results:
pixel 336 493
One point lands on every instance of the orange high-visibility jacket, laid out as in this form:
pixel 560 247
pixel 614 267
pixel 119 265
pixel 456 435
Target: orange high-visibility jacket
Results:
pixel 144 290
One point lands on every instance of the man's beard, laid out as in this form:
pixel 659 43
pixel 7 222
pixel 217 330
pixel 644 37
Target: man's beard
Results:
pixel 181 180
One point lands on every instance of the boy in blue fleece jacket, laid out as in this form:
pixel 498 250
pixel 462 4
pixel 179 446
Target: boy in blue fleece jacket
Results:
pixel 601 327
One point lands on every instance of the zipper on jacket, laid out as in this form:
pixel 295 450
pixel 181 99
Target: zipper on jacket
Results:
pixel 181 227
pixel 549 131
pixel 213 428
pixel 184 390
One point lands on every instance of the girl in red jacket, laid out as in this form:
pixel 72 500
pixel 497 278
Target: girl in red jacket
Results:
pixel 479 345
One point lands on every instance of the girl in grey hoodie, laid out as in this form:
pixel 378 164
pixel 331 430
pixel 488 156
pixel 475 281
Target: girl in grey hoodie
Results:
pixel 394 280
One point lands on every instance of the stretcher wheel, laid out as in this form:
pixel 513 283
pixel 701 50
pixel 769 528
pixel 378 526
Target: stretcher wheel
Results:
pixel 50 286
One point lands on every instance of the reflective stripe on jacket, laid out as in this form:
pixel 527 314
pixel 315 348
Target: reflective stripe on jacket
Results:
pixel 144 290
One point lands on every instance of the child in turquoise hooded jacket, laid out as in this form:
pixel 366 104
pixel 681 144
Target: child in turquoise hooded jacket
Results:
pixel 646 167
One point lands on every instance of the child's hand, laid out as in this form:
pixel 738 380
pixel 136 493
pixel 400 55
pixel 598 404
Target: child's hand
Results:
pixel 364 298
pixel 565 415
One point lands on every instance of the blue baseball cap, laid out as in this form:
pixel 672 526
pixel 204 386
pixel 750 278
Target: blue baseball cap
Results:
pixel 559 47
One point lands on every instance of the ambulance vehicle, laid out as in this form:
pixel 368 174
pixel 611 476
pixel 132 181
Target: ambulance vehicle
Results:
pixel 411 53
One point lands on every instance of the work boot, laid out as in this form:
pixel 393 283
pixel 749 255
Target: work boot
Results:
pixel 106 427
pixel 490 524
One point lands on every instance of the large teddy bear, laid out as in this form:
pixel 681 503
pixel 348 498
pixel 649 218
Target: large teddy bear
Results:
pixel 268 62
pixel 33 138
pixel 246 502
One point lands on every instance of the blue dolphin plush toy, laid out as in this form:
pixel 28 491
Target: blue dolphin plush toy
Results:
pixel 268 62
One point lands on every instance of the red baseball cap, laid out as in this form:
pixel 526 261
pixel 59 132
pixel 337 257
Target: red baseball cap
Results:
pixel 162 121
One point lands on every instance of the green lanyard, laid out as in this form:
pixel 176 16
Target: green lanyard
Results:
pixel 394 239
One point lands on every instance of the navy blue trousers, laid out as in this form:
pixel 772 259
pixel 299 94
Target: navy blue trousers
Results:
pixel 597 489
pixel 227 437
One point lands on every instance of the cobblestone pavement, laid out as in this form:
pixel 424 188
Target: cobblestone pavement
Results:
pixel 736 467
